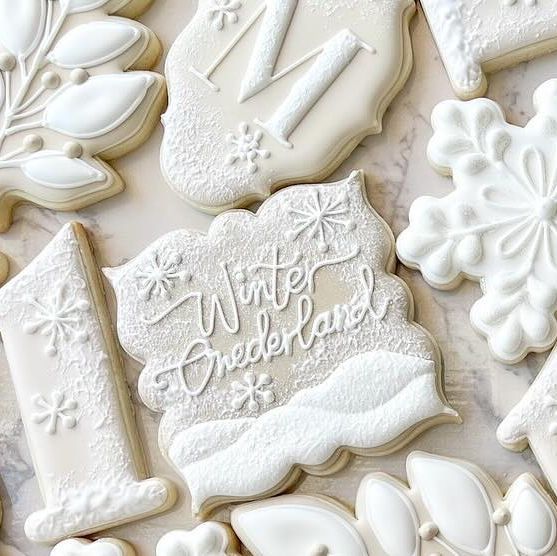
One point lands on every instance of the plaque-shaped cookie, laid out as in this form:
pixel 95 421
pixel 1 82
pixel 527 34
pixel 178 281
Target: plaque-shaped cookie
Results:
pixel 265 93
pixel 278 342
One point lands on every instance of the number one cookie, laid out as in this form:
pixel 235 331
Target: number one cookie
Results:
pixel 74 403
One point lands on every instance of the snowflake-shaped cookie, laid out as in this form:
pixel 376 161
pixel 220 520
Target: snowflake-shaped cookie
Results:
pixel 499 226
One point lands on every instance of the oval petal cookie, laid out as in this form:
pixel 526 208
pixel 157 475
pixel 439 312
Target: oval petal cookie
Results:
pixel 267 93
pixel 277 343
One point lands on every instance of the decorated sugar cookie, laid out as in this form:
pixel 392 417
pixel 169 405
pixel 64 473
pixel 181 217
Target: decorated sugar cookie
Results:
pixel 66 104
pixel 277 343
pixel 533 422
pixel 71 392
pixel 499 225
pixel 452 507
pixel 476 37
pixel 83 547
pixel 265 93
pixel 208 539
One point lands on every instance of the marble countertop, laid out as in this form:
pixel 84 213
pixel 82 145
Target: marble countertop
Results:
pixel 482 390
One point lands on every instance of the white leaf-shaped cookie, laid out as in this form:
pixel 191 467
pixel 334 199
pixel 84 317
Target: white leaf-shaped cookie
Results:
pixel 457 502
pixel 21 23
pixel 533 527
pixel 75 6
pixel 83 547
pixel 391 516
pixel 81 48
pixel 296 526
pixel 54 169
pixel 209 539
pixel 98 106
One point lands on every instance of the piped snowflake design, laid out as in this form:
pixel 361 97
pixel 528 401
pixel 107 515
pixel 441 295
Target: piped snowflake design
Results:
pixel 58 317
pixel 246 147
pixel 253 391
pixel 159 276
pixel 499 226
pixel 320 219
pixel 223 11
pixel 58 409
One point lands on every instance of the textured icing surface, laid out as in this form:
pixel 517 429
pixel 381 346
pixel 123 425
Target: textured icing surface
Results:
pixel 65 105
pixel 533 421
pixel 451 507
pixel 62 363
pixel 283 325
pixel 499 225
pixel 254 88
pixel 474 35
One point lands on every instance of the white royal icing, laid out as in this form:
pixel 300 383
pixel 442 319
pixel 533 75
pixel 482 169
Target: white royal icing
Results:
pixel 65 103
pixel 102 547
pixel 64 365
pixel 477 36
pixel 285 325
pixel 208 539
pixel 451 507
pixel 534 421
pixel 499 225
pixel 255 89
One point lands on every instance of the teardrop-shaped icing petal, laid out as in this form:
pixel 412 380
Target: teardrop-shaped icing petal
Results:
pixel 392 518
pixel 21 24
pixel 98 106
pixel 536 325
pixel 295 529
pixel 81 48
pixel 470 250
pixel 440 263
pixel 54 169
pixel 533 528
pixel 75 6
pixel 456 500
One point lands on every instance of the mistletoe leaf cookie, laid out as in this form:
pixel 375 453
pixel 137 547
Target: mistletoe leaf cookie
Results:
pixel 278 342
pixel 258 102
pixel 499 225
pixel 68 103
pixel 475 37
pixel 452 507
pixel 75 407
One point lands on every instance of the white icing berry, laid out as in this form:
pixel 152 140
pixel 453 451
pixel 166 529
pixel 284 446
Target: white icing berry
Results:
pixel 472 34
pixel 276 337
pixel 269 121
pixel 46 94
pixel 499 225
pixel 452 500
pixel 62 360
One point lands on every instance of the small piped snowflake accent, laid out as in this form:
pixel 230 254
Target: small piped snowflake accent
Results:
pixel 246 147
pixel 318 219
pixel 223 11
pixel 252 390
pixel 58 318
pixel 159 276
pixel 59 409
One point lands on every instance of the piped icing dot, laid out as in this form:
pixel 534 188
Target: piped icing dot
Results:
pixel 501 516
pixel 319 550
pixel 50 80
pixel 428 531
pixel 72 149
pixel 7 61
pixel 32 143
pixel 79 76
